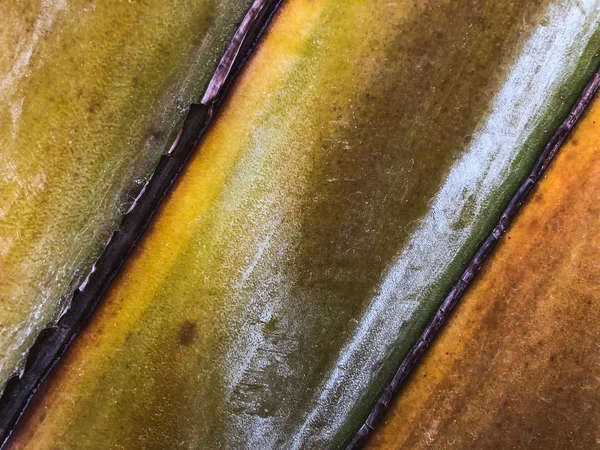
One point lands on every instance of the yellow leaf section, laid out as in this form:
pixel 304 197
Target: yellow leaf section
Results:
pixel 517 364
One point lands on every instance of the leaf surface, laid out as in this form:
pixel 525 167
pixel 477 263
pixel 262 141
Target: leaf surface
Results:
pixel 516 366
pixel 91 95
pixel 363 153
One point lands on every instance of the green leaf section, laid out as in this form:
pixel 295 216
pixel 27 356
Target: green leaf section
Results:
pixel 360 158
pixel 91 94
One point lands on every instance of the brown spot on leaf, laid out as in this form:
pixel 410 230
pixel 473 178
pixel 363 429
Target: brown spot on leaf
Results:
pixel 187 333
pixel 157 134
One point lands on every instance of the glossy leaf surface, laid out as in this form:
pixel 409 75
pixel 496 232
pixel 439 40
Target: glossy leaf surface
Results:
pixel 91 94
pixel 364 152
pixel 517 365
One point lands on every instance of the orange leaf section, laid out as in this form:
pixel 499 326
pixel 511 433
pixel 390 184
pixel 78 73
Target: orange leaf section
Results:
pixel 517 364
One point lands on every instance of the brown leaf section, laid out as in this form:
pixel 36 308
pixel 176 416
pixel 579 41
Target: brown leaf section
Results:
pixel 518 364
